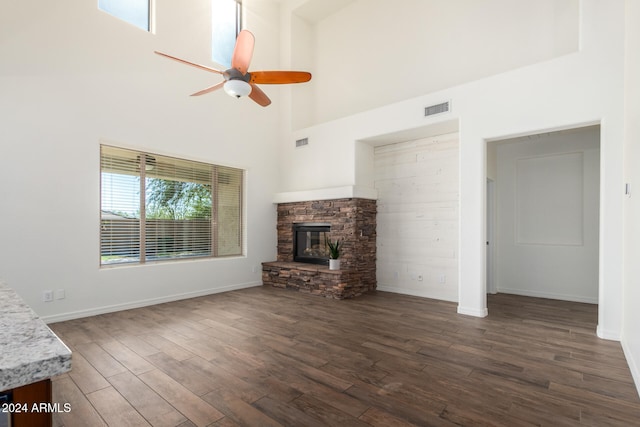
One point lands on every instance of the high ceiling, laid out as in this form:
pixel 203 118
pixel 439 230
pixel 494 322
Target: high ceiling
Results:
pixel 316 10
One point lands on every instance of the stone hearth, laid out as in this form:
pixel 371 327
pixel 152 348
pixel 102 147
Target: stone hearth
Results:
pixel 352 220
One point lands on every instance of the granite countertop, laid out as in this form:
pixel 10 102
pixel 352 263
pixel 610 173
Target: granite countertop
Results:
pixel 29 350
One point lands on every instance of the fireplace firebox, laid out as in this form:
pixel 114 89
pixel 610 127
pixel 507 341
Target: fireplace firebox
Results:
pixel 309 242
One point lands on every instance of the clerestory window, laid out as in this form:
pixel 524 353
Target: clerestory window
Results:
pixel 156 208
pixel 226 23
pixel 136 12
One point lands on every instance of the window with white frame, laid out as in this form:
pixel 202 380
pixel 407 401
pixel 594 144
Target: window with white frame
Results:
pixel 136 12
pixel 226 23
pixel 156 208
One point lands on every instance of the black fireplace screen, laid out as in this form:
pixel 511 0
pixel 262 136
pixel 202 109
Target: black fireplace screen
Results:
pixel 309 243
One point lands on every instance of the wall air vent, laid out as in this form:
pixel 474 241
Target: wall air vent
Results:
pixel 436 109
pixel 302 142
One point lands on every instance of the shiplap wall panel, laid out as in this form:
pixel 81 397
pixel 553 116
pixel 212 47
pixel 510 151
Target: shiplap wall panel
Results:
pixel 417 226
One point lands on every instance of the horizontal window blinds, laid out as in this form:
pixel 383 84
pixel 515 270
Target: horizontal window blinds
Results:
pixel 120 206
pixel 181 208
pixel 229 210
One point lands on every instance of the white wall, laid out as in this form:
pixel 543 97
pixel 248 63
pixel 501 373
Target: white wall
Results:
pixel 585 87
pixel 417 222
pixel 71 77
pixel 412 47
pixel 547 221
pixel 631 325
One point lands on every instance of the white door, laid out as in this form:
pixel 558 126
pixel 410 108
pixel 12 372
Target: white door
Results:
pixel 491 285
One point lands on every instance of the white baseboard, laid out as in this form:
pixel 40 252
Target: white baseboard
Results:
pixel 549 295
pixel 472 311
pixel 143 303
pixel 412 292
pixel 607 335
pixel 468 311
pixel 633 366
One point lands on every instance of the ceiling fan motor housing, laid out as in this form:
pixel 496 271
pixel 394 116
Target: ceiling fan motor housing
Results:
pixel 233 74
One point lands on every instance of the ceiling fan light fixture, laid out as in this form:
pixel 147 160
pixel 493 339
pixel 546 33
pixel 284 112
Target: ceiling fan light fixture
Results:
pixel 237 88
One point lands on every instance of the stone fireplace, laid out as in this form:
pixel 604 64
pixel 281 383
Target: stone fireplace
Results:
pixel 353 220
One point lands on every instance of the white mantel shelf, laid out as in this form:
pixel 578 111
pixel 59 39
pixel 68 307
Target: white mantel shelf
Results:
pixel 345 192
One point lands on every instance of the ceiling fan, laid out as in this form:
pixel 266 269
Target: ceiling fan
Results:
pixel 238 81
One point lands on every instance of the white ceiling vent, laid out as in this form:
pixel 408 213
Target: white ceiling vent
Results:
pixel 436 109
pixel 302 142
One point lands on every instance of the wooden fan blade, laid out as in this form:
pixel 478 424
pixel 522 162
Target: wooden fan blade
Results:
pixel 259 96
pixel 279 77
pixel 202 67
pixel 243 51
pixel 209 89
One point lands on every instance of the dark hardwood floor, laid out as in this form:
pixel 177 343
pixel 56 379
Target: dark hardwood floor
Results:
pixel 268 357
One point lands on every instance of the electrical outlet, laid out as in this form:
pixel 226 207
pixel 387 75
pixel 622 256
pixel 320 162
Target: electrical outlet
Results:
pixel 47 296
pixel 442 279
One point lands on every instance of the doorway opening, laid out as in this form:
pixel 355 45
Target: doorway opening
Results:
pixel 543 206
